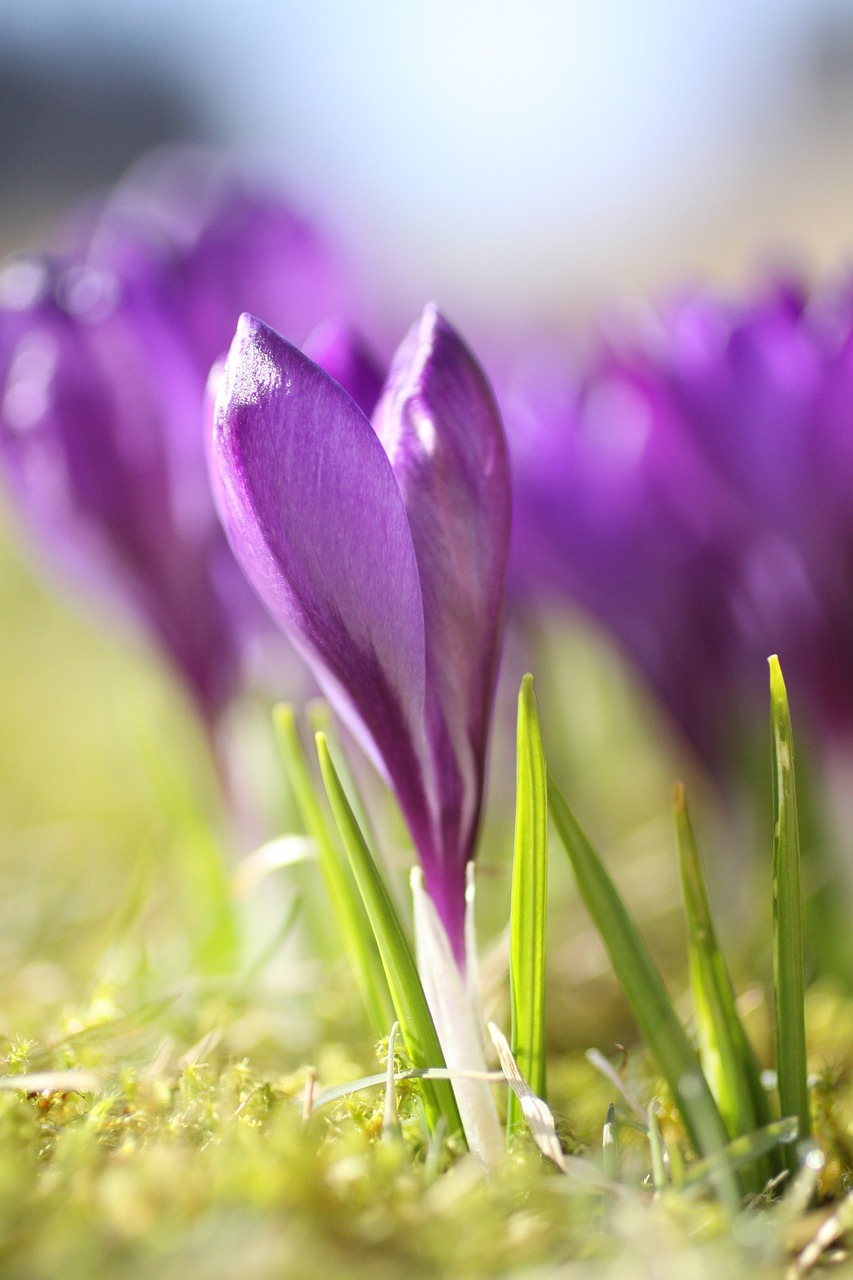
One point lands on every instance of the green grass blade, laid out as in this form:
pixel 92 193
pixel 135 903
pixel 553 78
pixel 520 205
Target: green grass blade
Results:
pixel 391 1129
pixel 319 717
pixel 645 991
pixel 788 951
pixel 351 918
pixel 748 1149
pixel 407 993
pixel 610 1145
pixel 657 1150
pixel 726 1055
pixel 529 896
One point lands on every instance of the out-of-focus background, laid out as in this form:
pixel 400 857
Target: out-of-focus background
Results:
pixel 515 161
pixel 526 165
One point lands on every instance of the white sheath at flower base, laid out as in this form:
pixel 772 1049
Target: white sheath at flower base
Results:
pixel 456 1018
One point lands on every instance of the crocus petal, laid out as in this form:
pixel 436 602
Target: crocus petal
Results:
pixel 104 352
pixel 315 518
pixel 692 490
pixel 216 244
pixel 337 348
pixel 81 437
pixel 440 427
pixel 607 514
pixel 381 551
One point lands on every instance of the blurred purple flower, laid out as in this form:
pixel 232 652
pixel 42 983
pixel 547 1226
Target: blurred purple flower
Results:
pixel 692 490
pixel 381 551
pixel 341 352
pixel 105 347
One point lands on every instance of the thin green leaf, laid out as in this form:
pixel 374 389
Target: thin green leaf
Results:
pixel 529 897
pixel 745 1150
pixel 407 993
pixel 645 991
pixel 409 1073
pixel 356 934
pixel 788 951
pixel 319 718
pixel 391 1129
pixel 610 1145
pixel 658 1152
pixel 725 1052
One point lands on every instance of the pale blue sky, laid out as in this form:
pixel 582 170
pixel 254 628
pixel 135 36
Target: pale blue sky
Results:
pixel 501 153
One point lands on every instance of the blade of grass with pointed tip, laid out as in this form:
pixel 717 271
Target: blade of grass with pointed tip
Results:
pixel 320 720
pixel 645 992
pixel 356 933
pixel 610 1145
pixel 725 1052
pixel 407 993
pixel 529 897
pixel 788 948
pixel 391 1129
pixel 319 717
pixel 658 1152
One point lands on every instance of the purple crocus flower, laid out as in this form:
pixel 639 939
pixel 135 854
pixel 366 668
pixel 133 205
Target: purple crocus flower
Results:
pixel 380 548
pixel 600 522
pixel 105 347
pixel 691 489
pixel 765 393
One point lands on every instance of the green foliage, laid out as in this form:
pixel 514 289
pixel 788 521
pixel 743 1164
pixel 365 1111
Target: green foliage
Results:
pixel 728 1061
pixel 156 1114
pixel 356 933
pixel 529 894
pixel 725 1052
pixel 187 1154
pixel 610 1145
pixel 407 994
pixel 645 991
pixel 788 946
